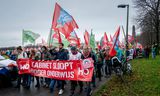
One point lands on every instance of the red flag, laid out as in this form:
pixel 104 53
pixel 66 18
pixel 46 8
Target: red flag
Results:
pixel 105 40
pixel 73 39
pixel 57 35
pixel 59 39
pixel 130 38
pixel 62 21
pixel 111 39
pixel 112 51
pixel 98 45
pixel 78 41
pixel 110 44
pixel 86 38
pixel 138 45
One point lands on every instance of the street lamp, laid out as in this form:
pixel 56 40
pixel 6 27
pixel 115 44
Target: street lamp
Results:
pixel 124 6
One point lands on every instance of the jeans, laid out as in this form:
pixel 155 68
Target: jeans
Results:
pixel 26 79
pixel 52 84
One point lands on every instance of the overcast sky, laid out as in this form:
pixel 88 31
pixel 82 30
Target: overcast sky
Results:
pixel 36 15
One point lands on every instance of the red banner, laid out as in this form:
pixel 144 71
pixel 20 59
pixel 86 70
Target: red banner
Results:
pixel 81 70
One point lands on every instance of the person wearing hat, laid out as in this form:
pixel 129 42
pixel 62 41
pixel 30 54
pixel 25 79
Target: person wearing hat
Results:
pixel 75 55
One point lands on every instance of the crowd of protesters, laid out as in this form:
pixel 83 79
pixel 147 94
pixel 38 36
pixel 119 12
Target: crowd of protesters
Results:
pixel 101 58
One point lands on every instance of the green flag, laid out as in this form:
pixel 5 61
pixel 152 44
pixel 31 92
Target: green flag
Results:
pixel 65 41
pixel 29 36
pixel 92 41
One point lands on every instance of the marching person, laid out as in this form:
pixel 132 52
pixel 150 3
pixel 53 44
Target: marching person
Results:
pixel 75 55
pixel 37 57
pixel 99 63
pixel 62 55
pixel 88 54
pixel 45 55
pixel 21 55
pixel 108 65
pixel 54 52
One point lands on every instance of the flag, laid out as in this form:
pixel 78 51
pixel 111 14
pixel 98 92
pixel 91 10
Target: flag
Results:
pixel 110 44
pixel 30 36
pixel 121 45
pixel 64 41
pixel 60 38
pixel 62 21
pixel 86 38
pixel 73 39
pixel 130 38
pixel 111 39
pixel 54 35
pixel 105 40
pixel 114 47
pixel 92 41
pixel 138 45
pixel 50 39
pixel 98 45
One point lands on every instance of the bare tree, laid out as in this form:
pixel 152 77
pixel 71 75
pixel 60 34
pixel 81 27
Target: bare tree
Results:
pixel 148 19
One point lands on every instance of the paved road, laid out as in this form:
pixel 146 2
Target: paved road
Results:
pixel 11 91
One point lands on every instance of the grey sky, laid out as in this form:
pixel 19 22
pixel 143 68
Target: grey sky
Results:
pixel 36 15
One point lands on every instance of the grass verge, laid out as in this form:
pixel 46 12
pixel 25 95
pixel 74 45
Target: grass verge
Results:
pixel 144 81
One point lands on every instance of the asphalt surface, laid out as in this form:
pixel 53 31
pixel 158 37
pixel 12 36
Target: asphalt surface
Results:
pixel 11 91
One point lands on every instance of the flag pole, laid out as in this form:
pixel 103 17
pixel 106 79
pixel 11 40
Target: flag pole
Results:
pixel 49 37
pixel 60 40
pixel 22 37
pixel 123 31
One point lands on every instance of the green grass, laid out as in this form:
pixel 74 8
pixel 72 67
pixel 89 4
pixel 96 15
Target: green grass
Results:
pixel 144 81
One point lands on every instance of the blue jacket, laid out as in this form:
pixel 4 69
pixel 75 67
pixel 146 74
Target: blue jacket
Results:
pixel 62 54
